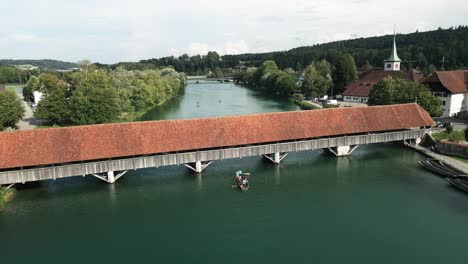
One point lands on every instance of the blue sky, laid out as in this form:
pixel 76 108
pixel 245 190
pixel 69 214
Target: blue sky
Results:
pixel 109 31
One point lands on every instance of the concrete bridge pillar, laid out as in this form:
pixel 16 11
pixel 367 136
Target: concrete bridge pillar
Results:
pixel 110 176
pixel 276 158
pixel 198 166
pixel 343 150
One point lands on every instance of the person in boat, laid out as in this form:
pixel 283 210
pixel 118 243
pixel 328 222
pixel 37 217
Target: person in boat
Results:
pixel 244 181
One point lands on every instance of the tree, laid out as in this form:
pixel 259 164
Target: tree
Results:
pixel 290 71
pixel 54 107
pixel 323 68
pixel 382 93
pixel 399 91
pixel 96 101
pixel 284 84
pixel 345 72
pixel 218 73
pixel 315 84
pixel 49 83
pixel 11 109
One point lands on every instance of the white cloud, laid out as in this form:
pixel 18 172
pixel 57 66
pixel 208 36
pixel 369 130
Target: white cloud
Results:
pixel 114 30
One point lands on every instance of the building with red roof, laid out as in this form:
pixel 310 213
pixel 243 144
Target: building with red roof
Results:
pixel 359 90
pixel 451 87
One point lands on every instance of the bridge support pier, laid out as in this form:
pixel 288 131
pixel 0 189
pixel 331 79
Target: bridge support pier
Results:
pixel 198 166
pixel 110 176
pixel 276 158
pixel 343 150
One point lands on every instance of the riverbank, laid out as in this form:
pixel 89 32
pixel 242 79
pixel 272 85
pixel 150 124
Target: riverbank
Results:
pixel 452 162
pixel 305 105
pixel 6 195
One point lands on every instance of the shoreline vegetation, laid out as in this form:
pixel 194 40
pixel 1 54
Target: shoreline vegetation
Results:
pixel 6 195
pixel 95 96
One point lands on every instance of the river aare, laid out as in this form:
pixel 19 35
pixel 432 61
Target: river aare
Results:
pixel 375 206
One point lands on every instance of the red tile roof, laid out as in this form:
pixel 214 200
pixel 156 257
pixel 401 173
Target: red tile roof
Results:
pixel 454 81
pixel 363 86
pixel 85 143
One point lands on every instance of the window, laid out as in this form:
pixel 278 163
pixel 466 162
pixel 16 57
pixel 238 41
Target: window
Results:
pixel 443 102
pixel 389 66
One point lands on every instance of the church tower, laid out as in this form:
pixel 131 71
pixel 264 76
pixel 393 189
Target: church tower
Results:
pixel 393 62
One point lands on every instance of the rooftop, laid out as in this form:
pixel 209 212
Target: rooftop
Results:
pixel 86 143
pixel 454 81
pixel 363 86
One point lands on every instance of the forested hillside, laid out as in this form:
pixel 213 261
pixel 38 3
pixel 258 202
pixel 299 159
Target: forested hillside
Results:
pixel 44 64
pixel 420 49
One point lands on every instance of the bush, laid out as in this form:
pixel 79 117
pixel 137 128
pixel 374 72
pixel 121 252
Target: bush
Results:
pixel 466 134
pixel 456 136
pixel 449 129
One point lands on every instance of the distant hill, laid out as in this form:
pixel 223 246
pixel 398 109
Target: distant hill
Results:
pixel 425 50
pixel 44 64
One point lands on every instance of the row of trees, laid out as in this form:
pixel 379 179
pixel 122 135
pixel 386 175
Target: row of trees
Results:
pixel 94 96
pixel 270 78
pixel 12 74
pixel 316 80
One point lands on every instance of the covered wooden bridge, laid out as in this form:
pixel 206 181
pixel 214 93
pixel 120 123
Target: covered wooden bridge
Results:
pixel 108 151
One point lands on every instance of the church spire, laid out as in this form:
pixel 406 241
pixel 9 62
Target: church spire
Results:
pixel 393 62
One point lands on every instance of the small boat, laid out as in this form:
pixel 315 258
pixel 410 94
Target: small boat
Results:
pixel 242 181
pixel 440 168
pixel 459 183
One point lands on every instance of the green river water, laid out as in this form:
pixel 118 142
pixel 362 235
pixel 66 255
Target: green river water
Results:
pixel 376 206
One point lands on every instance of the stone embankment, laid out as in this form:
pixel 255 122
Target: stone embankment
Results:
pixel 456 164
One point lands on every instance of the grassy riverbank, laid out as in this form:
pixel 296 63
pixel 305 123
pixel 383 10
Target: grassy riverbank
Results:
pixel 6 195
pixel 454 136
pixel 304 105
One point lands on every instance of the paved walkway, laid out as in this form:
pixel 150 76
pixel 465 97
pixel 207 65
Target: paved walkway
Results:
pixel 314 103
pixel 28 121
pixel 456 164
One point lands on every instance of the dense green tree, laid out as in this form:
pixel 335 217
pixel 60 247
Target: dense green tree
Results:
pixel 290 71
pixel 11 109
pixel 285 84
pixel 218 73
pixel 345 72
pixel 314 83
pixel 399 91
pixel 54 107
pixel 96 101
pixel 49 83
pixel 324 68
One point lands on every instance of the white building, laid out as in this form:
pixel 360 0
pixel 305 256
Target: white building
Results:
pixel 37 97
pixel 451 87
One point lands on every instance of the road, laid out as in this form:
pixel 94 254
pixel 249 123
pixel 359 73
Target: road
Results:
pixel 28 121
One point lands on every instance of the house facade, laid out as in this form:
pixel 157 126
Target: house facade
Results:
pixel 451 87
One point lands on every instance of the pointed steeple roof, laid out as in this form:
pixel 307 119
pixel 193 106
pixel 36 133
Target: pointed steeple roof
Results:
pixel 393 56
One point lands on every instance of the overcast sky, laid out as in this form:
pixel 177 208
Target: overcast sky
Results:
pixel 109 31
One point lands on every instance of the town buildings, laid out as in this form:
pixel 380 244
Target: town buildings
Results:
pixel 451 87
pixel 358 91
